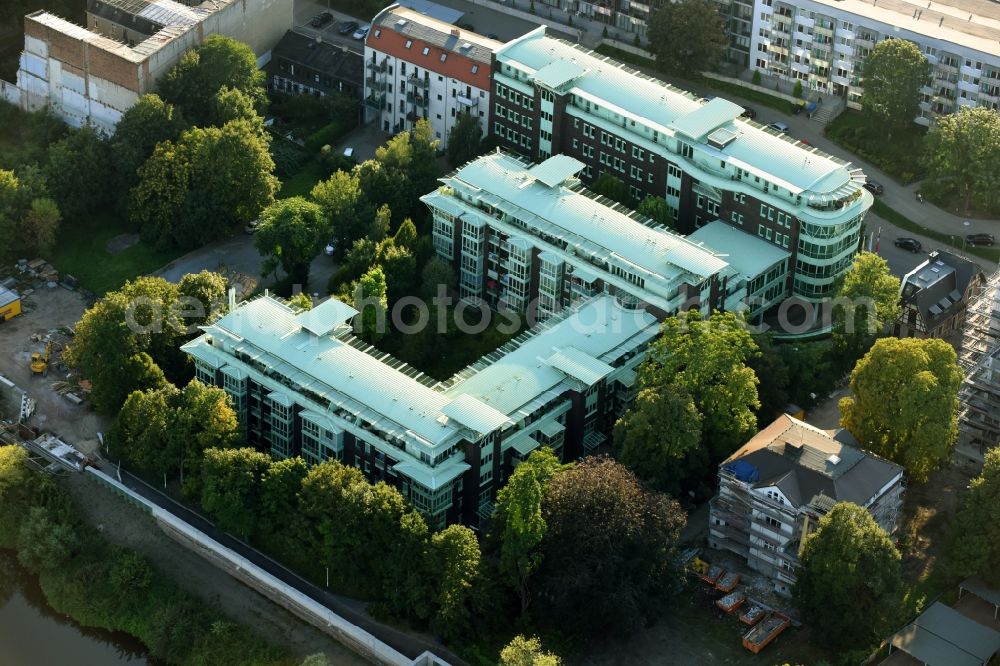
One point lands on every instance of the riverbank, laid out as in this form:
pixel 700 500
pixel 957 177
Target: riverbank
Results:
pixel 31 632
pixel 109 587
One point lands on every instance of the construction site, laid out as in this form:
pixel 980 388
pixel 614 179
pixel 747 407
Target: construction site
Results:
pixel 39 395
pixel 979 355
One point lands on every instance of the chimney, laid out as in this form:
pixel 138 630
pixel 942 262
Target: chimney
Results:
pixel 455 32
pixel 232 298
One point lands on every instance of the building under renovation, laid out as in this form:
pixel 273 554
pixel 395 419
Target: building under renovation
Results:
pixel 774 490
pixel 92 75
pixel 979 411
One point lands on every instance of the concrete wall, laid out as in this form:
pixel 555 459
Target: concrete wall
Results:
pixel 244 570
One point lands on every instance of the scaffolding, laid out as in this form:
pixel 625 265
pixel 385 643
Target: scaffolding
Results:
pixel 979 396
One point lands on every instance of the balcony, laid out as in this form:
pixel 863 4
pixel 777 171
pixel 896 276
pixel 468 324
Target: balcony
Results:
pixel 375 100
pixel 414 80
pixel 372 67
pixel 467 101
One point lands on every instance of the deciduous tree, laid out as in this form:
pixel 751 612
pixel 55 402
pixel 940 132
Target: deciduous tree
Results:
pixel 893 74
pixel 708 358
pixel 962 154
pixel 371 301
pixel 657 436
pixel 702 46
pixel 220 61
pixel 613 188
pixel 206 289
pixel 866 305
pixel 523 651
pixel 608 550
pixel 657 209
pixel 464 139
pixel 975 544
pixel 849 581
pixel 455 556
pixel 518 523
pixel 77 173
pixel 38 229
pixel 290 235
pixel 341 199
pixel 231 488
pixel 148 122
pixel 904 403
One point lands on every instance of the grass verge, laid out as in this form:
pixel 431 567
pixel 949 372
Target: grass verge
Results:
pixel 300 183
pixel 894 217
pixel 82 252
pixel 900 156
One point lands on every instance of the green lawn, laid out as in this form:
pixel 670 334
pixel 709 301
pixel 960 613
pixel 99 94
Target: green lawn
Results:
pixel 300 183
pixel 81 252
pixel 899 156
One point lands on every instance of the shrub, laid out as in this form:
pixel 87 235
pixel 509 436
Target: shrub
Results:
pixel 756 77
pixel 287 156
pixel 329 134
pixel 797 90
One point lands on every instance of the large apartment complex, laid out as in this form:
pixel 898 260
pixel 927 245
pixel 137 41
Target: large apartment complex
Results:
pixel 302 384
pixel 824 43
pixel 774 490
pixel 532 239
pixel 95 75
pixel 551 97
pixel 417 67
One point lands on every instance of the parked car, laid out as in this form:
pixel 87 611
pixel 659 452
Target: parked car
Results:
pixel 347 27
pixel 330 248
pixel 362 32
pixel 874 186
pixel 980 239
pixel 321 19
pixel 749 112
pixel 911 244
pixel 493 35
pixel 805 142
pixel 779 127
pixel 467 26
pixel 251 226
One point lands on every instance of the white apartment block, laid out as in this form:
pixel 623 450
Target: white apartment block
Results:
pixel 533 239
pixel 824 43
pixel 419 67
pixel 302 384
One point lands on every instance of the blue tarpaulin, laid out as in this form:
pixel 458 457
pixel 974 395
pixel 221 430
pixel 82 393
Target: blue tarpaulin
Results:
pixel 743 471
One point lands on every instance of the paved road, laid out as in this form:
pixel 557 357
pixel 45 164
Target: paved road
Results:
pixel 239 254
pixel 351 610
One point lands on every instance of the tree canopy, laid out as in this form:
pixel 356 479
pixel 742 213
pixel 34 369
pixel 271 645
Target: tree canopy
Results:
pixel 848 581
pixel 197 189
pixel 518 524
pixel 148 122
pixel 607 550
pixel 962 156
pixel 195 81
pixel 866 305
pixel 612 187
pixel 687 37
pixel 77 172
pixel 658 435
pixel 904 403
pixel 341 199
pixel 893 74
pixel 974 550
pixel 657 209
pixel 523 651
pixel 159 431
pixel 371 301
pixel 464 139
pixel 290 235
pixel 707 358
pixel 29 220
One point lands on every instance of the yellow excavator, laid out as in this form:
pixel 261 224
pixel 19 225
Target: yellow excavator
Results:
pixel 40 362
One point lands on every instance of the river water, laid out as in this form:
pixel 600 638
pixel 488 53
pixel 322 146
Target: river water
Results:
pixel 32 634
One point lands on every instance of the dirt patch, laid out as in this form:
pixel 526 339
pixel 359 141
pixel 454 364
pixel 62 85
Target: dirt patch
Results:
pixel 928 512
pixel 120 243
pixel 125 524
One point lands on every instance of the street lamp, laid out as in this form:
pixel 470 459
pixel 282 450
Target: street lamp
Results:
pixel 966 224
